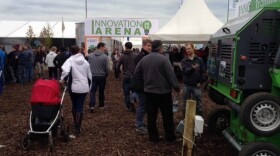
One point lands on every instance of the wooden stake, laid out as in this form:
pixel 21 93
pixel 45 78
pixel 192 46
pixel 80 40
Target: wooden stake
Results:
pixel 189 128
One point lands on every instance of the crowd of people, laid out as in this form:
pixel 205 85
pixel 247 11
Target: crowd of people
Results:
pixel 87 74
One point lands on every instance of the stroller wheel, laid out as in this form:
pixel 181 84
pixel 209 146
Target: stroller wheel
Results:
pixel 50 140
pixel 25 143
pixel 65 133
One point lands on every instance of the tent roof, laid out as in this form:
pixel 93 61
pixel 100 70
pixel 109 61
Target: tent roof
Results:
pixel 19 28
pixel 193 22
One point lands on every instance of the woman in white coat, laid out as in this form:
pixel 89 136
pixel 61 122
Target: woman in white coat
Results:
pixel 80 78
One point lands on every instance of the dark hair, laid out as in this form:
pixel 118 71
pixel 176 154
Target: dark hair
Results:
pixel 128 45
pixel 114 52
pixel 62 49
pixel 74 49
pixel 100 44
pixel 16 47
pixel 156 45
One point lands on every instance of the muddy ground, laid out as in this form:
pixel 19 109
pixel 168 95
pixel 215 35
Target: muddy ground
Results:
pixel 110 131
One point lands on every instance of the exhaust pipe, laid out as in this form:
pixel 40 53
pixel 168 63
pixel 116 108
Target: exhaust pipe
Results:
pixel 231 140
pixel 232 105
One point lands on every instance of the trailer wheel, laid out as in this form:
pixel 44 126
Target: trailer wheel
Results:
pixel 215 96
pixel 259 149
pixel 260 114
pixel 218 120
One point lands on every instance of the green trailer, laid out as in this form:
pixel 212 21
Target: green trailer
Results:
pixel 244 73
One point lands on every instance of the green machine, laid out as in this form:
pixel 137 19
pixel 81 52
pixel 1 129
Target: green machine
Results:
pixel 244 73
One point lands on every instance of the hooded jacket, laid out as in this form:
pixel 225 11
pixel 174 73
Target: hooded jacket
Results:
pixel 80 71
pixel 49 58
pixel 127 61
pixel 99 63
pixel 140 56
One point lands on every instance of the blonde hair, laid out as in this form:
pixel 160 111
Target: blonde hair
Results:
pixel 191 44
pixel 146 41
pixel 53 48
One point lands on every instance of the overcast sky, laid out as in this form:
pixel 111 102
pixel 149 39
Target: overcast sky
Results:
pixel 74 10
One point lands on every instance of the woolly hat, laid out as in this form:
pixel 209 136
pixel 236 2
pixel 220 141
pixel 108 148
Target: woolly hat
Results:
pixel 16 46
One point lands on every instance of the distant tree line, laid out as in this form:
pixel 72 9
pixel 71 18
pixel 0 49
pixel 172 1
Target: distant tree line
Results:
pixel 45 36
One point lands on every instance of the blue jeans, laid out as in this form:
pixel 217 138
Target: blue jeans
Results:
pixel 29 72
pixel 78 100
pixel 126 92
pixel 140 111
pixel 195 93
pixel 100 83
pixel 21 72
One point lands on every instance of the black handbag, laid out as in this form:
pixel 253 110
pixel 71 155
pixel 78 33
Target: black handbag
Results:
pixel 136 84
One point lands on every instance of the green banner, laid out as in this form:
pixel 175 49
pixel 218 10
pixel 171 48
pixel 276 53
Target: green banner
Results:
pixel 259 4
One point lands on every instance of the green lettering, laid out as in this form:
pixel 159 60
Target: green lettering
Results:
pixel 117 31
pixel 137 32
pixel 103 23
pixel 127 31
pixel 109 23
pixel 121 24
pixel 98 31
pixel 96 23
pixel 132 23
pixel 108 31
pixel 92 30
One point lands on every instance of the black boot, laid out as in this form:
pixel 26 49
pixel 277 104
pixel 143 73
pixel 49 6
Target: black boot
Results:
pixel 74 116
pixel 78 123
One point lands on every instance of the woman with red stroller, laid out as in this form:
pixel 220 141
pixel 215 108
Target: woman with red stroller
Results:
pixel 79 80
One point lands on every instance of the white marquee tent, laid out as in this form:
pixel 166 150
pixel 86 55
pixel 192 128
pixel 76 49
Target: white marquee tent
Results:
pixel 19 28
pixel 193 22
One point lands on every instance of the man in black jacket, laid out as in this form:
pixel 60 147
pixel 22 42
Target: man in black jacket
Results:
pixel 193 71
pixel 140 111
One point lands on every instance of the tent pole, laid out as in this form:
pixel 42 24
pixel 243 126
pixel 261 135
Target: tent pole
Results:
pixel 228 10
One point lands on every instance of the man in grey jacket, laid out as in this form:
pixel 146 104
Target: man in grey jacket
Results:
pixel 99 66
pixel 159 78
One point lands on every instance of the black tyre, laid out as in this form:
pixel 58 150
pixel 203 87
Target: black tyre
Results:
pixel 259 149
pixel 215 96
pixel 25 143
pixel 260 114
pixel 218 120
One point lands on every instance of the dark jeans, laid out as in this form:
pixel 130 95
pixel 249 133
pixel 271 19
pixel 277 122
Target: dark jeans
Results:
pixel 192 92
pixel 154 102
pixel 116 73
pixel 100 83
pixel 78 100
pixel 126 92
pixel 53 72
pixel 140 111
pixel 21 72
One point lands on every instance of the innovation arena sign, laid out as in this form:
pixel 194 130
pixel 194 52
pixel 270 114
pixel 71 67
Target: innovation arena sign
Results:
pixel 120 27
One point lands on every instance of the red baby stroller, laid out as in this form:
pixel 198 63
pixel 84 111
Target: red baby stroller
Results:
pixel 46 114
